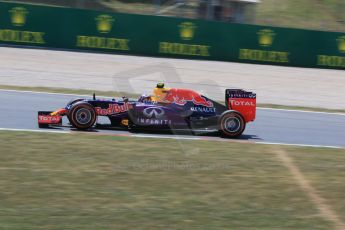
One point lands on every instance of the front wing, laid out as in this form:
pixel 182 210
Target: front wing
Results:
pixel 45 118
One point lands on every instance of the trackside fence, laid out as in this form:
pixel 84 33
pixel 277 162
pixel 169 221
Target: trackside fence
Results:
pixel 75 29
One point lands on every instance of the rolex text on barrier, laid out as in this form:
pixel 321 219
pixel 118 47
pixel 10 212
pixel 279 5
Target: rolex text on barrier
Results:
pixel 88 30
pixel 18 17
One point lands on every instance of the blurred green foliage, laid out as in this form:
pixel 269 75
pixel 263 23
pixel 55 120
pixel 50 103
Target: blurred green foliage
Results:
pixel 328 15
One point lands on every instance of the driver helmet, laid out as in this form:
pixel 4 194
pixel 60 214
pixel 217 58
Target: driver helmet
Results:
pixel 160 92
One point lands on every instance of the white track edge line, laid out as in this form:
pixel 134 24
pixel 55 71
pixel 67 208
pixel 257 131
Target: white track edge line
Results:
pixel 299 145
pixel 180 138
pixel 302 111
pixel 49 93
pixel 34 130
pixel 166 137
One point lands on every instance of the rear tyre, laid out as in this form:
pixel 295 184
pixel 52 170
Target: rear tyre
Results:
pixel 231 124
pixel 82 115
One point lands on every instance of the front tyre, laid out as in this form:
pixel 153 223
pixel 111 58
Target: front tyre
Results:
pixel 231 124
pixel 82 115
pixel 74 101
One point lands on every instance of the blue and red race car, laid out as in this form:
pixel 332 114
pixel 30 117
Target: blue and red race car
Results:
pixel 166 109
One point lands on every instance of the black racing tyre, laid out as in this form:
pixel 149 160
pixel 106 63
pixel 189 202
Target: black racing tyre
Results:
pixel 74 101
pixel 231 124
pixel 82 115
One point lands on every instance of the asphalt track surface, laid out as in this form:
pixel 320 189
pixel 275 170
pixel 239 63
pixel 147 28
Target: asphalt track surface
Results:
pixel 18 110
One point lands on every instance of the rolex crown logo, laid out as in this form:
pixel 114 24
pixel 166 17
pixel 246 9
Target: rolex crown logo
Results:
pixel 341 44
pixel 266 37
pixel 18 16
pixel 187 30
pixel 104 23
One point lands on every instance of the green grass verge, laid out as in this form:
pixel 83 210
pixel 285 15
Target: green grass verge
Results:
pixel 120 94
pixel 81 181
pixel 307 14
pixel 134 7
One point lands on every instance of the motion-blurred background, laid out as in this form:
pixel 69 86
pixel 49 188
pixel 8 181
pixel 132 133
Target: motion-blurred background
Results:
pixel 286 172
pixel 327 15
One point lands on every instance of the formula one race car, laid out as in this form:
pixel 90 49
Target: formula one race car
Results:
pixel 166 109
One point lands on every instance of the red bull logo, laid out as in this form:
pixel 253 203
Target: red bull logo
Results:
pixel 182 96
pixel 113 109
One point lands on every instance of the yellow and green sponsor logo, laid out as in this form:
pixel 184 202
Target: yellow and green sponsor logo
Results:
pixel 341 44
pixel 18 17
pixel 104 25
pixel 186 32
pixel 102 42
pixel 266 39
pixel 334 60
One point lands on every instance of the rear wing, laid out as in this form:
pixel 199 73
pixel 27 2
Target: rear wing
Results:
pixel 241 101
